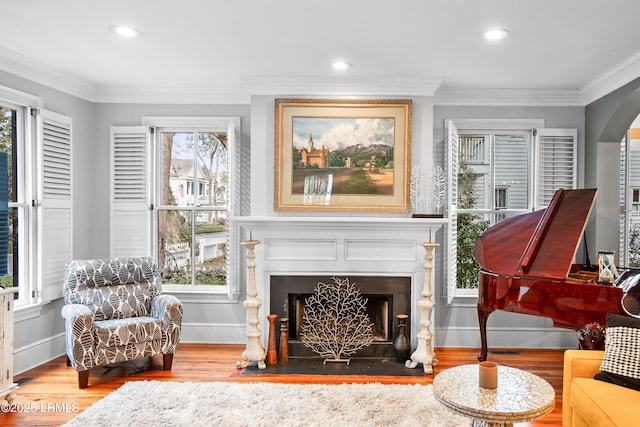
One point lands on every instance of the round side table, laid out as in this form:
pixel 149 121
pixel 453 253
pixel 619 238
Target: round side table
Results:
pixel 519 397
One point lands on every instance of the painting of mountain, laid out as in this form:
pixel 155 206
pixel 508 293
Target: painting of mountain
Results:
pixel 357 152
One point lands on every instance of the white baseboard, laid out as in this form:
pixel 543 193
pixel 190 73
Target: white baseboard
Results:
pixel 35 354
pixel 214 333
pixel 506 337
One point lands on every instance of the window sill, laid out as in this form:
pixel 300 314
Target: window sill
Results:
pixel 202 294
pixel 466 293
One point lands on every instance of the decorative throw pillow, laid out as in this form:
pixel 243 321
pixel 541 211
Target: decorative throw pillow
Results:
pixel 621 362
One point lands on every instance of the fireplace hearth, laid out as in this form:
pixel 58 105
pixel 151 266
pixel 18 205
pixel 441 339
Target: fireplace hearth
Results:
pixel 386 298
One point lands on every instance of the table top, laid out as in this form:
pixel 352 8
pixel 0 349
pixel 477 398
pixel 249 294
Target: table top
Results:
pixel 520 396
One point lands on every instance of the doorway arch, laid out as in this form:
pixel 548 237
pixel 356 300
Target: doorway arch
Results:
pixel 606 123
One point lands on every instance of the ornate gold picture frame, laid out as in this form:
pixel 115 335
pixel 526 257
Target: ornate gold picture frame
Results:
pixel 349 155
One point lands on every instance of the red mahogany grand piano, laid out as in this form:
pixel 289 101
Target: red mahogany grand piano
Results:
pixel 527 267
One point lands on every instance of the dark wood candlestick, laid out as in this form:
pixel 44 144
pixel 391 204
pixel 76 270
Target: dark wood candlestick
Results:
pixel 272 352
pixel 284 340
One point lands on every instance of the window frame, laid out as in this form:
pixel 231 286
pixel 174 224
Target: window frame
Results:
pixel 27 294
pixel 199 293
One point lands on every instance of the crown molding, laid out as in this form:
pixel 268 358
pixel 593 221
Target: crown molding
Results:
pixel 345 86
pixel 614 78
pixel 509 97
pixel 225 95
pixel 20 65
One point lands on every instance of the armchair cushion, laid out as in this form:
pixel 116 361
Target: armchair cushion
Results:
pixel 114 289
pixel 117 332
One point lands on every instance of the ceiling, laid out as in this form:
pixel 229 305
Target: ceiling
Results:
pixel 240 47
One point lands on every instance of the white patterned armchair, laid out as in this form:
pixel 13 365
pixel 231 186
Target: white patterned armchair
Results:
pixel 115 311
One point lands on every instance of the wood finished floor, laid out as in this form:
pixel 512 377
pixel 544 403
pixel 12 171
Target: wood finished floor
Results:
pixel 52 387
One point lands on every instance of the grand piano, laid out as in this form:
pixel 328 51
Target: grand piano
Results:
pixel 527 265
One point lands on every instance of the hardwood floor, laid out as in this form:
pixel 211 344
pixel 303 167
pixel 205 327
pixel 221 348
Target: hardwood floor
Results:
pixel 51 391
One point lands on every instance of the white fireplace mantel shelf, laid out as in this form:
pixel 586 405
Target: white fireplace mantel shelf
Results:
pixel 339 220
pixel 342 223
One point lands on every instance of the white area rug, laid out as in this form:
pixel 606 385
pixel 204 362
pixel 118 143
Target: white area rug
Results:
pixel 162 403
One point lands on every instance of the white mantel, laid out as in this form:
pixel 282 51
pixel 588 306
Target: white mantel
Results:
pixel 344 246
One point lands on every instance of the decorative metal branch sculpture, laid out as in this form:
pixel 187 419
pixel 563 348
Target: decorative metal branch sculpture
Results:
pixel 335 323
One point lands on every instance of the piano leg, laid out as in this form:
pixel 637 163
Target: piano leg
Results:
pixel 483 315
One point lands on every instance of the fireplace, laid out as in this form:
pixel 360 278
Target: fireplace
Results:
pixel 386 298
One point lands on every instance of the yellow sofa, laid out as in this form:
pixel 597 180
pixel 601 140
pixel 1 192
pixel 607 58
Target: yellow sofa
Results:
pixel 589 402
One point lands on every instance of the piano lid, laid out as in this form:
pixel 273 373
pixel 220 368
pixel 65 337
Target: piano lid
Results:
pixel 539 244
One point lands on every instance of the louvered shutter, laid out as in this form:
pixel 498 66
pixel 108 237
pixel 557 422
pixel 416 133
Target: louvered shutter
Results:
pixel 235 202
pixel 54 207
pixel 556 163
pixel 130 191
pixel 452 244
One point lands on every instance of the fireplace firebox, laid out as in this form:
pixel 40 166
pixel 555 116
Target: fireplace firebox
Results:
pixel 386 298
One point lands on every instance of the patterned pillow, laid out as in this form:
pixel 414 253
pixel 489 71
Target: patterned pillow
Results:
pixel 621 362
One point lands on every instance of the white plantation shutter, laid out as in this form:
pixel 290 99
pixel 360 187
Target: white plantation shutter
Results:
pixel 556 163
pixel 54 206
pixel 130 191
pixel 452 253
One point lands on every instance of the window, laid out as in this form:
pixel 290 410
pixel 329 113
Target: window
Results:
pixel 13 209
pixel 501 198
pixel 498 170
pixel 192 227
pixel 35 198
pixel 173 197
pixel 635 199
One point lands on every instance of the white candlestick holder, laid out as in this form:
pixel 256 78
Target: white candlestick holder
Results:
pixel 254 351
pixel 424 353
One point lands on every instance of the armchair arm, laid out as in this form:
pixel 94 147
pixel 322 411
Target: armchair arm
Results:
pixel 577 364
pixel 78 326
pixel 168 309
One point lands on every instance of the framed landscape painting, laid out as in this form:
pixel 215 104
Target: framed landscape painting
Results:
pixel 349 155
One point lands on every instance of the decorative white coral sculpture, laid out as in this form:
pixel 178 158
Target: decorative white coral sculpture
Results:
pixel 335 323
pixel 419 186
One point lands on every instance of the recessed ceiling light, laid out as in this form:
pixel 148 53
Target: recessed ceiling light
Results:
pixel 496 34
pixel 341 65
pixel 125 31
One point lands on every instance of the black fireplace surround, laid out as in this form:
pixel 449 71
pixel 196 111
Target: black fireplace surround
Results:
pixel 387 297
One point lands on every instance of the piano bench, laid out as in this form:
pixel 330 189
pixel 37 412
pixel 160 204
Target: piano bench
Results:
pixel 590 402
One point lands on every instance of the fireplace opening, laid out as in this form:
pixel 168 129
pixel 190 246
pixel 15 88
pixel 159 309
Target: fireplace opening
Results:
pixel 386 298
pixel 378 308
